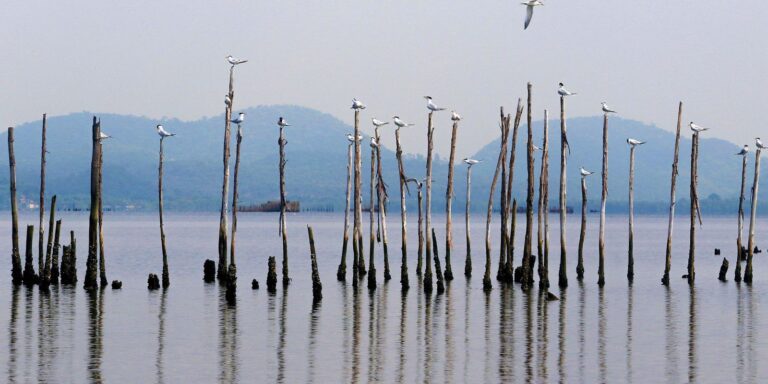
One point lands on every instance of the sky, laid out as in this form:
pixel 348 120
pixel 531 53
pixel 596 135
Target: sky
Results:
pixel 166 59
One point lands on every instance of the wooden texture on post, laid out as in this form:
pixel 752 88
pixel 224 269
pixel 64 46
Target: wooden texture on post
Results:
pixel 603 198
pixel 341 272
pixel 382 198
pixel 41 224
pixel 29 269
pixel 562 279
pixel 428 209
pixel 404 283
pixel 583 231
pixel 55 255
pixel 232 269
pixel 752 215
pixel 317 286
pixel 503 214
pixel 358 230
pixel 449 204
pixel 420 253
pixel 527 279
pixel 740 220
pixel 16 273
pixel 372 229
pixel 166 275
pixel 512 211
pixel 102 262
pixel 631 235
pixel 511 243
pixel 468 260
pixel 670 224
pixel 438 271
pixel 91 264
pixel 45 274
pixel 221 270
pixel 487 286
pixel 544 207
pixel 281 142
pixel 694 208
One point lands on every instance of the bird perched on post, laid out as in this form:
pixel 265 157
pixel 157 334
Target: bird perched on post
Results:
pixel 607 109
pixel 104 136
pixel 744 150
pixel 470 162
pixel 357 104
pixel 400 123
pixel 584 172
pixel 163 133
pixel 697 128
pixel 235 61
pixel 759 144
pixel 378 123
pixel 564 92
pixel 351 137
pixel 455 116
pixel 282 122
pixel 239 119
pixel 431 105
pixel 634 142
pixel 529 4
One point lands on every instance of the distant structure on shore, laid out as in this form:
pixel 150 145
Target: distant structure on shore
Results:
pixel 271 206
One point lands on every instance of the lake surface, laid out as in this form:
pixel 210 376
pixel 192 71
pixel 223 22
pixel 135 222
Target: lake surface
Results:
pixel 712 332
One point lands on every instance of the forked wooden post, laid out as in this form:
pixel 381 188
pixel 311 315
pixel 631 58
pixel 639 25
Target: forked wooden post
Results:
pixel 668 258
pixel 603 198
pixel 752 215
pixel 341 273
pixel 740 220
pixel 16 272
pixel 509 237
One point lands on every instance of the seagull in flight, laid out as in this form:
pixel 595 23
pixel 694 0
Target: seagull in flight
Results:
pixel 235 61
pixel 759 144
pixel 431 106
pixel 584 172
pixel 163 133
pixel 351 137
pixel 400 123
pixel 104 136
pixel 536 147
pixel 455 116
pixel 378 123
pixel 529 4
pixel 412 180
pixel 634 142
pixel 697 128
pixel 239 119
pixel 744 150
pixel 470 162
pixel 564 92
pixel 374 144
pixel 357 104
pixel 607 109
pixel 282 123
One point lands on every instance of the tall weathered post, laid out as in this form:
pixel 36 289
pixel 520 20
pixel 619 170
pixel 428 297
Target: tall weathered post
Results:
pixel 372 229
pixel 740 218
pixel 404 283
pixel 16 272
pixel 281 142
pixel 30 278
pixel 668 258
pixel 221 270
pixel 487 286
pixel 41 225
pixel 357 233
pixel 694 207
pixel 382 198
pixel 91 265
pixel 428 209
pixel 231 293
pixel 752 215
pixel 45 274
pixel 603 198
pixel 166 274
pixel 503 214
pixel 562 280
pixel 631 239
pixel 317 286
pixel 341 272
pixel 544 207
pixel 583 231
pixel 449 200
pixel 468 259
pixel 527 279
pixel 509 236
pixel 102 262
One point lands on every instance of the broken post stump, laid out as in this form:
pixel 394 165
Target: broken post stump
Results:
pixel 272 275
pixel 723 270
pixel 153 282
pixel 29 277
pixel 209 271
pixel 317 286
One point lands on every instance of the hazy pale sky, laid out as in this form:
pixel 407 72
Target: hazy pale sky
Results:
pixel 166 58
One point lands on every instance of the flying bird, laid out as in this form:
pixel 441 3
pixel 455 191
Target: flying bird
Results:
pixel 759 144
pixel 400 123
pixel 163 133
pixel 697 128
pixel 606 109
pixel 357 104
pixel 239 119
pixel 412 180
pixel 351 137
pixel 455 116
pixel 431 106
pixel 634 142
pixel 529 10
pixel 470 162
pixel 374 144
pixel 584 172
pixel 744 150
pixel 104 136
pixel 235 61
pixel 282 123
pixel 564 92
pixel 536 147
pixel 378 123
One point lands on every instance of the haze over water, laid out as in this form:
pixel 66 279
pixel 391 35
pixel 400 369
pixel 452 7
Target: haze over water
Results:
pixel 713 332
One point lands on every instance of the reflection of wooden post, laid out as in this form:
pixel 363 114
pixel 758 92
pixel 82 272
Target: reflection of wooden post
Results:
pixel 562 280
pixel 404 284
pixel 527 279
pixel 694 207
pixel 740 219
pixel 668 259
pixel 752 214
pixel 631 239
pixel 544 207
pixel 41 226
pixel 221 272
pixel 341 273
pixel 428 209
pixel 583 232
pixel 603 197
pixel 449 204
pixel 509 235
pixel 91 265
pixel 16 275
pixel 468 260
pixel 487 286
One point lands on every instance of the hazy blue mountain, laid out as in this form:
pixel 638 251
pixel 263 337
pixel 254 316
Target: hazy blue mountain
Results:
pixel 316 168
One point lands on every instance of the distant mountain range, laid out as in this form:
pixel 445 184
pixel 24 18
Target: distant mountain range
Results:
pixel 316 167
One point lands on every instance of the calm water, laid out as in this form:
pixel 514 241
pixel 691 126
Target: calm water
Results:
pixel 643 333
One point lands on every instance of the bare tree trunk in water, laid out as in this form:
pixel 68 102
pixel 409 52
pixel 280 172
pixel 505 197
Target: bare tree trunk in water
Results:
pixel 404 284
pixel 527 279
pixel 694 207
pixel 382 197
pixel 372 229
pixel 231 293
pixel 468 260
pixel 91 265
pixel 509 273
pixel 740 219
pixel 358 227
pixel 583 232
pixel 102 262
pixel 41 225
pixel 166 274
pixel 428 209
pixel 603 198
pixel 283 227
pixel 487 286
pixel 668 259
pixel 221 271
pixel 16 274
pixel 562 280
pixel 544 207
pixel 449 204
pixel 631 239
pixel 341 273
pixel 753 213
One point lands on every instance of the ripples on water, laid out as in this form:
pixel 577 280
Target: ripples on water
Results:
pixel 641 333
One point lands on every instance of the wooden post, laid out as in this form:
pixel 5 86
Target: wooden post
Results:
pixel 428 208
pixel 487 286
pixel 631 238
pixel 404 283
pixel 468 260
pixel 419 261
pixel 102 263
pixel 271 275
pixel 449 204
pixel 55 257
pixel 372 229
pixel 752 214
pixel 341 273
pixel 544 207
pixel 231 292
pixel 69 261
pixel 166 275
pixel 317 286
pixel 358 227
pixel 16 273
pixel 740 220
pixel 221 271
pixel 512 211
pixel 694 206
pixel 438 270
pixel 562 280
pixel 283 203
pixel 382 198
pixel 29 270
pixel 527 279
pixel 41 225
pixel 583 231
pixel 668 259
pixel 603 198
pixel 45 275
pixel 503 214
pixel 91 265
pixel 511 244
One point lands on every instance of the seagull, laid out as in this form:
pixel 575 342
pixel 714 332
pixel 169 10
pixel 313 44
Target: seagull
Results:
pixel 431 106
pixel 235 61
pixel 282 123
pixel 104 136
pixel 351 137
pixel 357 104
pixel 374 144
pixel 697 128
pixel 634 142
pixel 400 123
pixel 239 119
pixel 606 109
pixel 412 180
pixel 378 123
pixel 163 133
pixel 584 172
pixel 564 92
pixel 227 100
pixel 470 162
pixel 744 150
pixel 529 4
pixel 455 116
pixel 536 147
pixel 759 144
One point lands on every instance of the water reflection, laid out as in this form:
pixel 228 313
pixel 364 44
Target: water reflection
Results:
pixel 692 362
pixel 543 339
pixel 403 332
pixel 601 328
pixel 314 318
pixel 228 335
pixel 429 351
pixel 282 334
pixel 467 310
pixel 582 330
pixel 628 345
pixel 506 328
pixel 449 343
pixel 529 338
pixel 46 334
pixel 95 337
pixel 561 336
pixel 13 334
pixel 159 361
pixel 371 336
pixel 356 336
pixel 671 336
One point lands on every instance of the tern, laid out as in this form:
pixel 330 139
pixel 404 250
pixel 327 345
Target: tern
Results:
pixel 529 10
pixel 564 92
pixel 759 144
pixel 378 123
pixel 235 61
pixel 400 123
pixel 455 116
pixel 104 136
pixel 536 147
pixel 351 137
pixel 697 128
pixel 163 133
pixel 634 142
pixel 239 119
pixel 584 172
pixel 418 183
pixel 606 109
pixel 282 123
pixel 431 106
pixel 744 150
pixel 374 144
pixel 357 104
pixel 470 162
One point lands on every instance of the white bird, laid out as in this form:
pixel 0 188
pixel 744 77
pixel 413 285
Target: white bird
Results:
pixel 412 180
pixel 759 144
pixel 744 150
pixel 239 119
pixel 374 144
pixel 351 137
pixel 235 61
pixel 378 123
pixel 282 123
pixel 584 172
pixel 227 100
pixel 536 147
pixel 470 162
pixel 357 104
pixel 529 10
pixel 163 133
pixel 606 109
pixel 697 128
pixel 455 116
pixel 564 92
pixel 431 106
pixel 634 142
pixel 104 136
pixel 400 123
